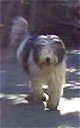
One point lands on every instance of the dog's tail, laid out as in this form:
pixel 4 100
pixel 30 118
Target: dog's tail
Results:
pixel 19 31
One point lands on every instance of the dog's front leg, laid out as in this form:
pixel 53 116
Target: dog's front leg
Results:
pixel 55 92
pixel 38 91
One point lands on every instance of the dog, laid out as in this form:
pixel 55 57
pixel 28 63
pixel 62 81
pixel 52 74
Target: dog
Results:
pixel 43 58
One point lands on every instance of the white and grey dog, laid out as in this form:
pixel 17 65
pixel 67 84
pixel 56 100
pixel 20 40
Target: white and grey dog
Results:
pixel 43 58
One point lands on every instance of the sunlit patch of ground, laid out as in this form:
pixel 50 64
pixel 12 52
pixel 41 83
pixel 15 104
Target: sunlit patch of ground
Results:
pixel 2 71
pixel 15 98
pixel 69 105
pixel 72 70
pixel 74 51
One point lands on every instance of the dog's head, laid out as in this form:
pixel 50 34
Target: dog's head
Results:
pixel 48 50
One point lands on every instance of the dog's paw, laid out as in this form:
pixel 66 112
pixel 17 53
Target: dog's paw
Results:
pixel 51 106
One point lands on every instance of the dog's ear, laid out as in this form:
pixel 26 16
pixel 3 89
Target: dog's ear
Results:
pixel 23 52
pixel 19 31
pixel 60 50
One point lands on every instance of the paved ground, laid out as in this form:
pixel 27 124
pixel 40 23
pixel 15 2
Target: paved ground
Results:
pixel 18 108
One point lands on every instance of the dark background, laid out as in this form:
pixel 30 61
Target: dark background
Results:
pixel 61 17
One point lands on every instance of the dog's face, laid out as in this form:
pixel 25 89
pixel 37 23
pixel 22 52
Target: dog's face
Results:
pixel 48 50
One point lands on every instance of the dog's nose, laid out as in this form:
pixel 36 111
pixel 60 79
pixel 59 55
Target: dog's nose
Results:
pixel 48 60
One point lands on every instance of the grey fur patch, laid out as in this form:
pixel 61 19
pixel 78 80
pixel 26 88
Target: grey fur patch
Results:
pixel 59 51
pixel 26 52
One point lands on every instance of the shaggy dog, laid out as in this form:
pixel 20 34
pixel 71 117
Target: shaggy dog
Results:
pixel 43 58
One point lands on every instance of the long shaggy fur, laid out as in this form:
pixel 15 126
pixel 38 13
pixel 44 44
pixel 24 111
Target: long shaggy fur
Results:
pixel 43 58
